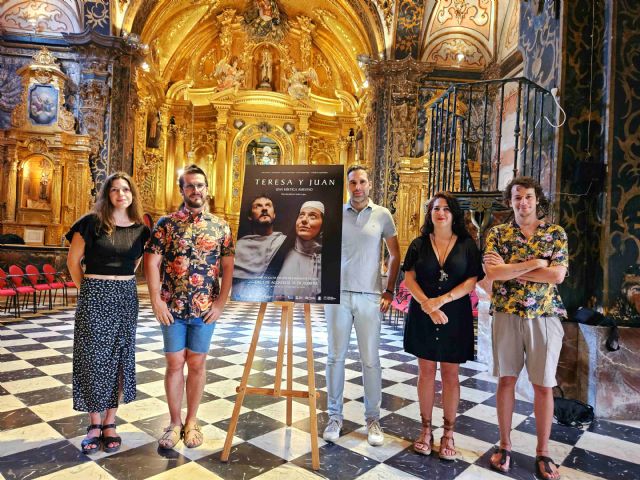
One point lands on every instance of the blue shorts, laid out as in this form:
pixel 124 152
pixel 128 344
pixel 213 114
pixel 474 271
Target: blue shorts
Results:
pixel 192 333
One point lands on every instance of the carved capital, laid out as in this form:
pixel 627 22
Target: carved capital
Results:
pixel 37 145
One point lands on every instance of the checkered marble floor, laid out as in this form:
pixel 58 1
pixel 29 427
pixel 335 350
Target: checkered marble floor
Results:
pixel 40 434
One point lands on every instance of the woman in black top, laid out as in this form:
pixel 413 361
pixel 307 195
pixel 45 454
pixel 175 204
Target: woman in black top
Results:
pixel 111 240
pixel 441 268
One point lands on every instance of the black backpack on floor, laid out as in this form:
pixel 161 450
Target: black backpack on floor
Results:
pixel 572 413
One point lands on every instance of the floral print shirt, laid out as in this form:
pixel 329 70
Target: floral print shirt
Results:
pixel 191 246
pixel 520 297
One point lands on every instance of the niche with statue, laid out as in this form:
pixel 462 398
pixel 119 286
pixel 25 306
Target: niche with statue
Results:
pixel 263 150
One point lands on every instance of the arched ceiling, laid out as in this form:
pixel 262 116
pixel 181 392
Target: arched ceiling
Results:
pixel 187 38
pixel 469 34
pixel 48 18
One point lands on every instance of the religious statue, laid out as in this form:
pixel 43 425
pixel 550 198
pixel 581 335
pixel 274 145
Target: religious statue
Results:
pixel 154 131
pixel 265 20
pixel 266 70
pixel 299 83
pixel 229 75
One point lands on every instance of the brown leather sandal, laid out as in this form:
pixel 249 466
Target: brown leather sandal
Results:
pixel 501 466
pixel 170 437
pixel 547 473
pixel 421 445
pixel 447 442
pixel 192 435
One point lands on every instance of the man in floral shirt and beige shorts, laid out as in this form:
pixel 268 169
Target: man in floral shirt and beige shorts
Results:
pixel 183 260
pixel 526 258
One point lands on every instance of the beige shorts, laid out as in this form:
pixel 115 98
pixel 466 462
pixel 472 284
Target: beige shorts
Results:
pixel 534 342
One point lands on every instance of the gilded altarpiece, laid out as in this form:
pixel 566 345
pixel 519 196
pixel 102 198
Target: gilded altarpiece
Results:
pixel 45 172
pixel 246 92
pixel 411 197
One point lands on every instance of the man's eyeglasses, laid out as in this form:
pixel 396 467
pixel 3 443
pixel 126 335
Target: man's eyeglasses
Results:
pixel 195 186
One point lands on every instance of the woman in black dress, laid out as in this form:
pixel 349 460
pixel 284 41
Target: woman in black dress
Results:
pixel 441 267
pixel 111 240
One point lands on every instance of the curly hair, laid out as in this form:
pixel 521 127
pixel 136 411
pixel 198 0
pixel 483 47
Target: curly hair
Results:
pixel 542 208
pixel 103 209
pixel 458 226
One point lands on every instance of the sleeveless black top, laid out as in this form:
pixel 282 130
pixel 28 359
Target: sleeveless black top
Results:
pixel 114 254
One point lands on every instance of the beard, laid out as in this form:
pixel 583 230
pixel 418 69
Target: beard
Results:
pixel 196 202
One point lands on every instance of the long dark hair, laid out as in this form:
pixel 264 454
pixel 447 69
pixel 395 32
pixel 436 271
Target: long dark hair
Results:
pixel 458 226
pixel 103 209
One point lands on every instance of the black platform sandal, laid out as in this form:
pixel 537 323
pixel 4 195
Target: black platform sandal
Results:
pixel 91 445
pixel 107 440
pixel 547 462
pixel 504 456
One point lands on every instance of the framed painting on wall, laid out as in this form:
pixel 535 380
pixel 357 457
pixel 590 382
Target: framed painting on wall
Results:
pixel 43 104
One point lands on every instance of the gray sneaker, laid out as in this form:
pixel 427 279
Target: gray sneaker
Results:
pixel 375 437
pixel 332 430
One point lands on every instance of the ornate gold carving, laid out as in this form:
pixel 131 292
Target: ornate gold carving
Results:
pixel 66 120
pixel 459 9
pixel 145 175
pixel 226 19
pixel 265 21
pixel 45 58
pixel 94 97
pixel 306 28
pixel 229 75
pixel 37 145
pixel 386 9
pixel 446 53
pixel 206 61
pixel 299 83
pixel 321 62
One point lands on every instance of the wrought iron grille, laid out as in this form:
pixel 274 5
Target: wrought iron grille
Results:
pixel 484 133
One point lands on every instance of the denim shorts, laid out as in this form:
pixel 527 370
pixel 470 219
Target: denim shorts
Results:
pixel 191 333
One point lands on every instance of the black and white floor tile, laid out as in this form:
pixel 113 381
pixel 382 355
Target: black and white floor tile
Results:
pixel 40 433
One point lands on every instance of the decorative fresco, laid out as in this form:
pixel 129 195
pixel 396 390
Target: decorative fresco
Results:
pixel 582 151
pixel 540 42
pixel 623 246
pixel 42 104
pixel 11 87
pixel 52 17
pixel 410 13
pixel 96 16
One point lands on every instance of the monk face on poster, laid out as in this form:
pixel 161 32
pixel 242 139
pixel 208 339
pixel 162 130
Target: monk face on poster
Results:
pixel 262 211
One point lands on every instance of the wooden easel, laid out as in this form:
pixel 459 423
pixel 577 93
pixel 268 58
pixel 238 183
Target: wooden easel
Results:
pixel 286 326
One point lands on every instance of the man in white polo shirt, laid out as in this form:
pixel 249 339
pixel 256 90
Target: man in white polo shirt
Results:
pixel 364 226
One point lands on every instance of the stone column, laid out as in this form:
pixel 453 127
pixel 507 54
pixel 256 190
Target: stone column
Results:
pixel 303 148
pixel 343 145
pixel 56 189
pixel 223 171
pixel 12 184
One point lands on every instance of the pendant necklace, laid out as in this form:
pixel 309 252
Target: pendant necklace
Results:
pixel 444 276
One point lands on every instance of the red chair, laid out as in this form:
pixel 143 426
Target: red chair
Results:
pixel 18 277
pixel 41 286
pixel 55 281
pixel 474 303
pixel 8 291
pixel 400 302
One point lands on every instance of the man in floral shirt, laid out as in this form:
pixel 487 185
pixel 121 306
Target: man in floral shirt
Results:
pixel 526 259
pixel 183 260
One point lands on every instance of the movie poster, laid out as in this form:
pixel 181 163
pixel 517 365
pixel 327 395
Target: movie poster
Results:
pixel 290 234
